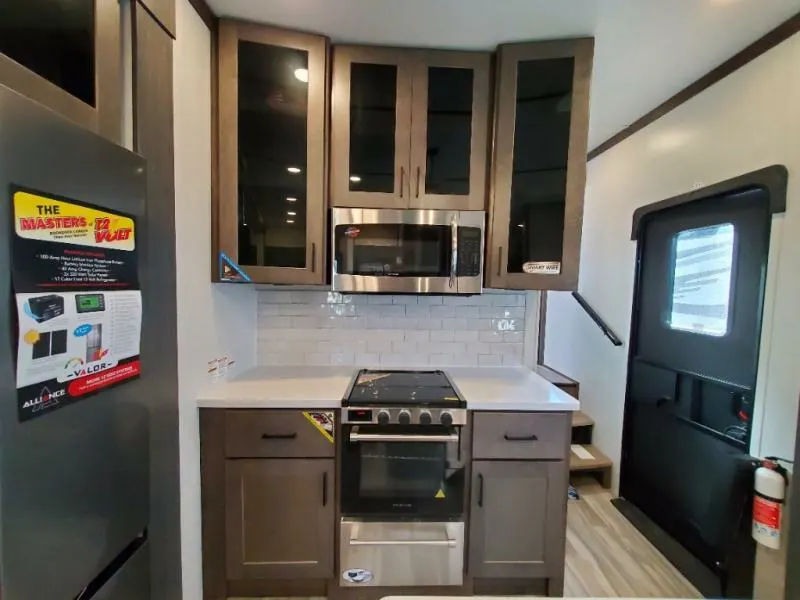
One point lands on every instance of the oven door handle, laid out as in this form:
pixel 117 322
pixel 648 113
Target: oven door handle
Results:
pixel 453 250
pixel 355 436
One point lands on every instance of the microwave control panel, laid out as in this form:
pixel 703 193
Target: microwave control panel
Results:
pixel 470 252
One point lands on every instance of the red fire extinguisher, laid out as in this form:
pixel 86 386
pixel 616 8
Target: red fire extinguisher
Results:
pixel 770 493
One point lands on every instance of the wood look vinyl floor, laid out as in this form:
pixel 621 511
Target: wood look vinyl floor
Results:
pixel 607 557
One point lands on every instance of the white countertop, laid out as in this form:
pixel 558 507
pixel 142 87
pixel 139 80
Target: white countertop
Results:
pixel 484 388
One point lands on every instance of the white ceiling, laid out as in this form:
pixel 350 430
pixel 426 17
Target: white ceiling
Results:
pixel 646 50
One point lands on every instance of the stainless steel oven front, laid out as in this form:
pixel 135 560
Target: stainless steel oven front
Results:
pixel 403 493
pixel 407 251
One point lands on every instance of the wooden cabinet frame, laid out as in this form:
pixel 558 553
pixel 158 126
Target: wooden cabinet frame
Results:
pixel 341 195
pixel 480 63
pixel 226 213
pixel 105 118
pixel 509 56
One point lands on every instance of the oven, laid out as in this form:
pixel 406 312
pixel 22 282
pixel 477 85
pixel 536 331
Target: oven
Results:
pixel 407 251
pixel 402 497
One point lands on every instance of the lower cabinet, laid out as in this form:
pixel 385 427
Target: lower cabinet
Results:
pixel 518 519
pixel 279 518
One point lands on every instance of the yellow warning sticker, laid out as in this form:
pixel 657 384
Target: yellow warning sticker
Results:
pixel 323 422
pixel 440 494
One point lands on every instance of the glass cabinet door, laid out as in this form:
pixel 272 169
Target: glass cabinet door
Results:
pixel 65 54
pixel 449 139
pixel 539 169
pixel 371 123
pixel 272 101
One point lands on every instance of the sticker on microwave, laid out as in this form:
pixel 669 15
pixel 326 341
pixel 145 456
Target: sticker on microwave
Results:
pixel 357 576
pixel 352 232
pixel 322 422
pixel 541 268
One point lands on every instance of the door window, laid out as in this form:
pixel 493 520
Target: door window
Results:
pixel 702 268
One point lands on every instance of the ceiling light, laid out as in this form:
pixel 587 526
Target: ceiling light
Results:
pixel 290 199
pixel 291 213
pixel 290 221
pixel 294 170
pixel 521 225
pixel 301 74
pixel 355 178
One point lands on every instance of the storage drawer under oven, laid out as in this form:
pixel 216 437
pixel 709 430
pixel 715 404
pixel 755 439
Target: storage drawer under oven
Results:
pixel 404 553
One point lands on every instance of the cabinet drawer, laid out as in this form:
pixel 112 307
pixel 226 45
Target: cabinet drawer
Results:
pixel 521 435
pixel 274 434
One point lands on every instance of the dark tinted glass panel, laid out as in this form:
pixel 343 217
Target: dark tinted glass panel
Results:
pixel 53 38
pixel 373 100
pixel 393 250
pixel 273 128
pixel 449 130
pixel 391 469
pixel 539 180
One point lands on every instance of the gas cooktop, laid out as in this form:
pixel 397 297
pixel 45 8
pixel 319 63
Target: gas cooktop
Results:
pixel 403 388
pixel 405 398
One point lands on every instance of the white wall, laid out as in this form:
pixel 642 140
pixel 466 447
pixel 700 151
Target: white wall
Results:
pixel 749 120
pixel 327 328
pixel 213 320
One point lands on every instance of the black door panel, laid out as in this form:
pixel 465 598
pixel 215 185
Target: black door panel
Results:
pixel 692 373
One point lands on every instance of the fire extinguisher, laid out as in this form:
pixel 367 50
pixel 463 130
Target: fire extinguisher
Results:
pixel 770 493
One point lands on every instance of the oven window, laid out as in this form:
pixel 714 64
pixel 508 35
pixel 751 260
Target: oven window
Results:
pixel 395 250
pixel 389 470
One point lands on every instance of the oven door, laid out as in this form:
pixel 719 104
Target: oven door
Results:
pixel 407 251
pixel 407 472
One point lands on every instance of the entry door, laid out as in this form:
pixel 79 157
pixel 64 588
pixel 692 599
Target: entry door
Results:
pixel 692 373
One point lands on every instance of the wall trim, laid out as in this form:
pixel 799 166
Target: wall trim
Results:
pixel 764 44
pixel 205 12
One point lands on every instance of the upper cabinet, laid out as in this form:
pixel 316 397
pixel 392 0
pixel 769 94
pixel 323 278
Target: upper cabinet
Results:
pixel 272 100
pixel 539 165
pixel 65 54
pixel 409 128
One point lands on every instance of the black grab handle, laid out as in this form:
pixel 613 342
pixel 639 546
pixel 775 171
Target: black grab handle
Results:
pixel 521 438
pixel 278 436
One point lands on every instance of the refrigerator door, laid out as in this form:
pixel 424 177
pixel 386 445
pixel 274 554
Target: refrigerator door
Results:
pixel 131 582
pixel 73 483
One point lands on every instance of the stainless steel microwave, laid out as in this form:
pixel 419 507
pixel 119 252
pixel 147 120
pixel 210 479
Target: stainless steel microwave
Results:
pixel 407 251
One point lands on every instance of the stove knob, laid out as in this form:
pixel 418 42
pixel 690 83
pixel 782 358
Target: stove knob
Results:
pixel 446 418
pixel 384 417
pixel 425 418
pixel 404 418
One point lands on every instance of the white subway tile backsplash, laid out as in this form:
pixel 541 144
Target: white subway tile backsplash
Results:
pixel 465 336
pixel 445 335
pixel 329 328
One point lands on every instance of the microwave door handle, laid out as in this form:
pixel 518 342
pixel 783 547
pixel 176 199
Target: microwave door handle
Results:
pixel 453 250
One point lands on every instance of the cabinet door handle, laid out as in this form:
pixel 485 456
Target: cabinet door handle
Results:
pixel 278 436
pixel 521 438
pixel 313 257
pixel 419 171
pixel 402 180
pixel 480 490
pixel 325 489
pixel 499 260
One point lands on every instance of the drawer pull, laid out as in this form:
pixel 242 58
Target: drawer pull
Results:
pixel 521 438
pixel 278 436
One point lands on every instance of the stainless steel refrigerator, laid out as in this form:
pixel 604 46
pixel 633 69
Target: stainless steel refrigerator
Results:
pixel 74 484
